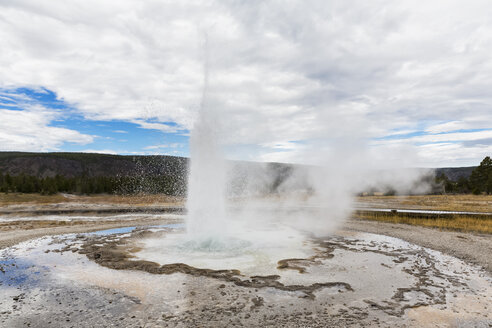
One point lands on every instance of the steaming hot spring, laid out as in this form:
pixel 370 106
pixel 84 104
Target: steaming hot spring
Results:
pixel 256 270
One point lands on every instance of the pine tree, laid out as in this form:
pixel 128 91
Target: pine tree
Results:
pixel 479 179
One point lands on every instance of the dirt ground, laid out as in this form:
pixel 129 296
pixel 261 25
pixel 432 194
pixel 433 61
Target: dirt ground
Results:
pixel 470 247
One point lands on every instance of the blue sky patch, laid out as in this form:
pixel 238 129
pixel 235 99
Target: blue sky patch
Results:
pixel 109 136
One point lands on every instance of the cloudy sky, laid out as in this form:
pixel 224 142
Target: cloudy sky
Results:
pixel 290 79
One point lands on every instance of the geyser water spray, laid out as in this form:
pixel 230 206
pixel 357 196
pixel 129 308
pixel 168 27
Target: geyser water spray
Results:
pixel 313 198
pixel 207 176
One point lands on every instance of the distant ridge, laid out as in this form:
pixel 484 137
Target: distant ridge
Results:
pixel 455 173
pixel 96 173
pixel 70 165
pixel 44 165
pixel 122 173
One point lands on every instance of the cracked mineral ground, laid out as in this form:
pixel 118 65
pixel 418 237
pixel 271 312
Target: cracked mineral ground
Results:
pixel 117 278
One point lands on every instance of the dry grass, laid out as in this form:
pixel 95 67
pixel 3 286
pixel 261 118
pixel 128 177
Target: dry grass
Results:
pixel 35 224
pixel 467 203
pixel 482 224
pixel 18 199
pixel 471 203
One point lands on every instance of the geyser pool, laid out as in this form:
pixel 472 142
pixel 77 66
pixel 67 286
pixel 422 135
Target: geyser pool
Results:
pixel 247 249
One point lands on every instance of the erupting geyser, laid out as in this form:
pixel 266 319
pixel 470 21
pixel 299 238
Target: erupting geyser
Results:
pixel 206 182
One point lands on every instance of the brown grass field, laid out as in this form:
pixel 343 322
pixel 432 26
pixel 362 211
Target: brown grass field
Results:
pixel 456 223
pixel 465 203
pixel 136 200
pixel 26 225
pixel 460 203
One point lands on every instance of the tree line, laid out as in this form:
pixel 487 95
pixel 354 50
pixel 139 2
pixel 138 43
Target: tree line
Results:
pixel 480 180
pixel 22 183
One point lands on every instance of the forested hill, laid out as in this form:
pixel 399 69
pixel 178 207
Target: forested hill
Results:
pixel 103 173
pixel 50 173
pixel 455 173
pixel 70 165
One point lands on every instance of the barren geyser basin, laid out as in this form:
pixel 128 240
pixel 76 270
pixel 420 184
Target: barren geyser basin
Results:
pixel 156 276
pixel 273 261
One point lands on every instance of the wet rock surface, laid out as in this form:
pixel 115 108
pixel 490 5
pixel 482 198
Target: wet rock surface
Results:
pixel 95 280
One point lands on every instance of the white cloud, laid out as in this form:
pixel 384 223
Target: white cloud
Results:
pixel 472 123
pixel 29 130
pixel 445 137
pixel 156 126
pixel 438 138
pixel 100 151
pixel 447 127
pixel 324 70
pixel 453 154
pixel 168 145
pixel 282 145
